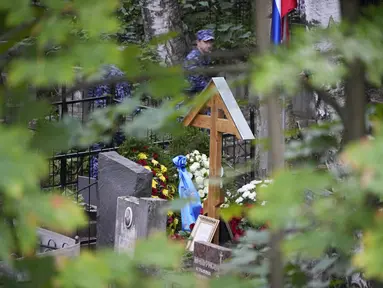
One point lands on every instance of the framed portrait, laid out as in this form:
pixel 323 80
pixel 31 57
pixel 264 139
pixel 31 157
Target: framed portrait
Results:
pixel 204 230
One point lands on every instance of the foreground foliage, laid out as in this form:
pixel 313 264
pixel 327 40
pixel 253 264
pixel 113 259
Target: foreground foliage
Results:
pixel 65 43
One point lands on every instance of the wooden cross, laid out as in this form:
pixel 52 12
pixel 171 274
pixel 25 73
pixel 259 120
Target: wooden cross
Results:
pixel 225 117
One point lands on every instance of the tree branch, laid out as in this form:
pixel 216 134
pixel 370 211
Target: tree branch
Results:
pixel 238 68
pixel 326 97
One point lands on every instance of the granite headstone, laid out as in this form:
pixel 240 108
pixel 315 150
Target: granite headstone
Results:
pixel 118 176
pixel 137 218
pixel 208 258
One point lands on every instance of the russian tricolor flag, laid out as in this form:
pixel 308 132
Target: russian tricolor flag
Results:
pixel 279 23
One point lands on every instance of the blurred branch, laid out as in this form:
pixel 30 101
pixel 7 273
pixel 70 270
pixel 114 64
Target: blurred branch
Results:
pixel 327 98
pixel 238 68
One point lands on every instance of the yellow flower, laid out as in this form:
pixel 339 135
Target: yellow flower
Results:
pixel 165 192
pixel 142 156
pixel 155 197
pixel 162 178
pixel 175 221
pixel 147 167
pixel 163 169
pixel 155 162
pixel 154 183
pixel 170 213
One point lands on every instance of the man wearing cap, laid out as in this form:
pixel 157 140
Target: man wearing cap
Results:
pixel 198 58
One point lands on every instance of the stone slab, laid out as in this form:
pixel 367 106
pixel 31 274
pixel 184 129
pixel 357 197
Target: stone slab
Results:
pixel 208 257
pixel 118 176
pixel 137 218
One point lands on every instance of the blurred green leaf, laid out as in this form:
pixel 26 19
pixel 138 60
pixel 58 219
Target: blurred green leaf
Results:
pixel 172 250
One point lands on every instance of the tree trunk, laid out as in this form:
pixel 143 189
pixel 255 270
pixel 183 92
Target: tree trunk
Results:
pixel 262 158
pixel 355 122
pixel 275 135
pixel 162 17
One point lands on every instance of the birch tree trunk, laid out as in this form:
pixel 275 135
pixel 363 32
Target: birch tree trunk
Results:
pixel 274 130
pixel 262 158
pixel 161 17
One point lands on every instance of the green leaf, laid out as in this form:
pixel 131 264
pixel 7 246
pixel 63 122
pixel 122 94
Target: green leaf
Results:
pixel 172 251
pixel 85 264
pixel 163 38
pixel 287 193
pixel 19 11
pixel 16 37
pixel 176 204
pixel 233 210
pixel 231 281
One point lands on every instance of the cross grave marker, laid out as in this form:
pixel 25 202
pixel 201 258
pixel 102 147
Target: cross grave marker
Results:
pixel 225 117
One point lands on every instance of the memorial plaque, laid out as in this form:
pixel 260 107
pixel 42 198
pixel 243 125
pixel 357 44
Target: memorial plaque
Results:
pixel 208 258
pixel 204 230
pixel 137 218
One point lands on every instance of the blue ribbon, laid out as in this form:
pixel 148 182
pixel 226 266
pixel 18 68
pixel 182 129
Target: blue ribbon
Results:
pixel 186 190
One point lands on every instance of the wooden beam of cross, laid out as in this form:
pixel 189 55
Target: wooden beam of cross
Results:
pixel 225 117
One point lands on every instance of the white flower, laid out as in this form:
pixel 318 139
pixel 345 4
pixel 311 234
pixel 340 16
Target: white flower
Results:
pixel 206 164
pixel 249 186
pixel 242 189
pixel 203 172
pixel 199 181
pixel 198 158
pixel 239 200
pixel 206 190
pixel 263 203
pixel 187 156
pixel 224 205
pixel 190 175
pixel 194 167
pixel 201 193
pixel 252 196
pixel 196 152
pixel 204 157
pixel 268 181
pixel 246 194
pixel 263 185
pixel 206 182
pixel 255 182
pixel 197 174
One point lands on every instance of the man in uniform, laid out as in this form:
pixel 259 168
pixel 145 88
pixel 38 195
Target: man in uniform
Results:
pixel 198 58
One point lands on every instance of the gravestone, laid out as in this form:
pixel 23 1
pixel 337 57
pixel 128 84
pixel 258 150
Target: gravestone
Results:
pixel 118 176
pixel 137 218
pixel 208 258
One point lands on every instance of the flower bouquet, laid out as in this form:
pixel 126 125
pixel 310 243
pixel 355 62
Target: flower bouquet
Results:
pixel 161 188
pixel 198 168
pixel 247 196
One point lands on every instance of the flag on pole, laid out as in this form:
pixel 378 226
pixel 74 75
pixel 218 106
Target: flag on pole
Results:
pixel 287 6
pixel 276 22
pixel 279 22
